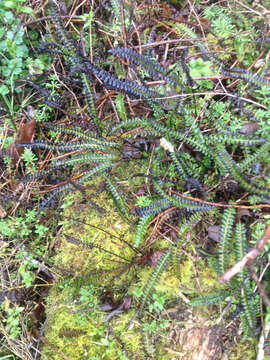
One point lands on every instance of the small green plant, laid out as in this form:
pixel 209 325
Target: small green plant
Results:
pixel 12 320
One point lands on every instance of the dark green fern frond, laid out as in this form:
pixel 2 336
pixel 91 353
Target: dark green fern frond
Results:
pixel 153 209
pixel 77 131
pixel 59 27
pixel 247 76
pixel 225 238
pixel 153 68
pixel 183 203
pixel 157 272
pixel 65 146
pixel 182 171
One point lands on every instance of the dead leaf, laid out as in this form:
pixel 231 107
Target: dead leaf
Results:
pixel 214 232
pixel 25 135
pixel 242 212
pixel 155 256
pixel 249 128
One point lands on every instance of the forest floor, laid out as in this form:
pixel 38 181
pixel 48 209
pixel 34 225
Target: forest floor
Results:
pixel 134 157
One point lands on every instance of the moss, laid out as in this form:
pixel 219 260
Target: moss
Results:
pixel 244 350
pixel 104 262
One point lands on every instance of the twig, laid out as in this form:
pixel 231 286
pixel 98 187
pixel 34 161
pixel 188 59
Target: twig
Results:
pixel 248 259
pixel 260 288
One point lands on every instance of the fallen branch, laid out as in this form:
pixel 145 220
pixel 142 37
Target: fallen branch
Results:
pixel 248 259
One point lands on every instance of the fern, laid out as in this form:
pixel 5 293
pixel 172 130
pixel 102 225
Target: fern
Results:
pixel 65 146
pixel 157 272
pixel 142 228
pixel 241 252
pixel 129 123
pixel 118 198
pixel 88 92
pixel 247 76
pixel 209 299
pixel 153 68
pixel 153 209
pixel 225 237
pixel 233 169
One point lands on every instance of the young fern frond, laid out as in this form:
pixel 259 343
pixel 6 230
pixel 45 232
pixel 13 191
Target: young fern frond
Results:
pixel 211 299
pixel 225 238
pixel 157 272
pixel 117 197
pixel 142 228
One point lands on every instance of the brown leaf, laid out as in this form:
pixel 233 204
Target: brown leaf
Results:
pixel 25 134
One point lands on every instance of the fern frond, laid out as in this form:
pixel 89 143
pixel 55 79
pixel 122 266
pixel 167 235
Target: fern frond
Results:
pixel 77 131
pixel 130 123
pixel 142 228
pixel 153 68
pixel 185 68
pixel 179 165
pixel 117 197
pixel 153 209
pixel 247 76
pixel 64 146
pixel 233 140
pixel 209 299
pixel 183 203
pixel 60 28
pixel 88 92
pixel 233 169
pixel 68 187
pixel 116 10
pixel 241 245
pixel 225 237
pixel 157 272
pixel 250 160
